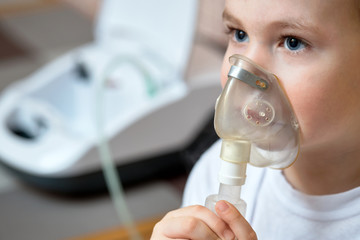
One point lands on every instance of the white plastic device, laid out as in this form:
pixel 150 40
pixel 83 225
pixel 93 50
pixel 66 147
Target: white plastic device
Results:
pixel 141 49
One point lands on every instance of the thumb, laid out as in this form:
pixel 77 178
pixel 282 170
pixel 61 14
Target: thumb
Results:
pixel 238 224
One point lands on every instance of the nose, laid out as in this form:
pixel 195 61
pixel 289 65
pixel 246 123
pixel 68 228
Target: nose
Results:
pixel 260 54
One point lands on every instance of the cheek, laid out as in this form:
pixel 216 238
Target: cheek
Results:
pixel 317 104
pixel 305 102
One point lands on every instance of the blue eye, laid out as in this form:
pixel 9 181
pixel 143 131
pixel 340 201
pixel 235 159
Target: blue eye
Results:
pixel 294 44
pixel 241 36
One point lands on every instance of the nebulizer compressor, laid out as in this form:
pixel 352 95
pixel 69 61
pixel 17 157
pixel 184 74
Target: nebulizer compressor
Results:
pixel 257 125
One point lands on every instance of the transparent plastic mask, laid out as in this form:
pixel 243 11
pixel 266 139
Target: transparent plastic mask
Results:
pixel 254 107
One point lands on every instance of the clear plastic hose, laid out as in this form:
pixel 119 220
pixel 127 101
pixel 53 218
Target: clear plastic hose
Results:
pixel 111 176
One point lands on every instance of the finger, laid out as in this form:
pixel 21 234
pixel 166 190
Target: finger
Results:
pixel 213 221
pixel 185 228
pixel 238 224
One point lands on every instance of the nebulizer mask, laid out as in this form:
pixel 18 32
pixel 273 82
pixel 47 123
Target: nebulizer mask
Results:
pixel 257 125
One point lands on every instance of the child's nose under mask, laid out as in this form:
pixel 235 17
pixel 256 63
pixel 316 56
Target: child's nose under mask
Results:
pixel 253 107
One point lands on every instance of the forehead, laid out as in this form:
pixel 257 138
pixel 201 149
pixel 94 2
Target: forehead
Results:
pixel 310 10
pixel 329 15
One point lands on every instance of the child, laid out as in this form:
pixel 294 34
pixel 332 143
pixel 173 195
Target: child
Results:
pixel 313 46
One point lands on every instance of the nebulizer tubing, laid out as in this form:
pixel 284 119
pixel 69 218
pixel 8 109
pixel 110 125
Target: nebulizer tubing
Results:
pixel 257 125
pixel 111 175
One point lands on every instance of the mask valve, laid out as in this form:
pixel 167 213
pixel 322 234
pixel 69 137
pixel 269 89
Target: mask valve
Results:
pixel 260 113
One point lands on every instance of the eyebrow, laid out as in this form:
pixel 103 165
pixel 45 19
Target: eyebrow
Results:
pixel 286 23
pixel 297 24
pixel 227 16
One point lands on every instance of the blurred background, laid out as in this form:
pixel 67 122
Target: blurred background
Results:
pixel 34 33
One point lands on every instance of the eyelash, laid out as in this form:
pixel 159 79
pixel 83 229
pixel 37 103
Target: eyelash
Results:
pixel 227 28
pixel 282 40
pixel 230 31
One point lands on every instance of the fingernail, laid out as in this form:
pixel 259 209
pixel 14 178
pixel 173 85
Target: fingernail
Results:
pixel 228 234
pixel 222 206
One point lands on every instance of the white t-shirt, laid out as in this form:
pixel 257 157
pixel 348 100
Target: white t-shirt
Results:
pixel 277 211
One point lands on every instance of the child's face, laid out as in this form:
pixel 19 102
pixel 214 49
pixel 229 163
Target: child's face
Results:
pixel 313 46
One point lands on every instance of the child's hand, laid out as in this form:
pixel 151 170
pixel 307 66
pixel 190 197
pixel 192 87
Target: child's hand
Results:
pixel 237 223
pixel 198 222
